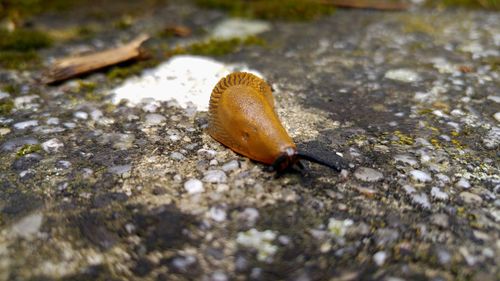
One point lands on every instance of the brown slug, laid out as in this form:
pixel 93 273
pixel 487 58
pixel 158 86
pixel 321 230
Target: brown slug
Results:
pixel 242 117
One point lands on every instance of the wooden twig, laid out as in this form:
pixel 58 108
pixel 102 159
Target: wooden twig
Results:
pixel 67 68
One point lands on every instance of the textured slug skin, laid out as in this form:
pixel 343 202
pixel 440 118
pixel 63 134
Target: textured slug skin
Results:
pixel 242 117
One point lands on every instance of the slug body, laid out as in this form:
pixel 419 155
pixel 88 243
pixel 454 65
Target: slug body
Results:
pixel 242 117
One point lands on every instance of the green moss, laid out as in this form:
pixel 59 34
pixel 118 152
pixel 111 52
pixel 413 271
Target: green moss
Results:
pixel 20 9
pixel 124 22
pixel 19 60
pixel 217 47
pixel 485 4
pixel 404 139
pixel 27 149
pixel 270 9
pixel 124 71
pixel 6 106
pixel 23 40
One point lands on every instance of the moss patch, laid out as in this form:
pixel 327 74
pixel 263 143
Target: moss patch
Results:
pixel 17 48
pixel 270 9
pixel 23 40
pixel 217 47
pixel 6 106
pixel 27 149
pixel 485 4
pixel 19 60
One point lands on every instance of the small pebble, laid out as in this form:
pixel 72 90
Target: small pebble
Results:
pixel 402 75
pixel 231 166
pixel 497 116
pixel 52 145
pixel 406 159
pixel 421 200
pixel 4 95
pixel 52 121
pixel 379 258
pixel 471 198
pixel 25 124
pixel 218 214
pixel 120 169
pixel 207 153
pixel 4 131
pixel 219 276
pixel 28 226
pixel 437 194
pixel 194 186
pixel 215 176
pixel 81 115
pixel 441 220
pixel 183 263
pixel 368 174
pixel 420 176
pixel 463 183
pixel 63 164
pixel 154 119
pixel 177 156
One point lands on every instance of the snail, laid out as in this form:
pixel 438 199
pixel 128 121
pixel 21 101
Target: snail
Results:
pixel 242 117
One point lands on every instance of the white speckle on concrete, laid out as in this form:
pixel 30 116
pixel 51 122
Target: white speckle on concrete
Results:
pixel 259 240
pixel 219 275
pixel 421 200
pixel 218 214
pixel 409 189
pixel 4 95
pixel 25 124
pixel 250 215
pixel 443 178
pixel 120 169
pixel 239 28
pixel 4 131
pixel 420 176
pixel 188 80
pixel 207 153
pixel 154 119
pixel 81 115
pixel 437 194
pixel 379 258
pixel 52 145
pixel 497 116
pixel 28 226
pixel 402 75
pixel 406 159
pixel 215 176
pixel 177 156
pixel 24 101
pixel 494 98
pixel 492 138
pixel 463 183
pixel 52 121
pixel 96 114
pixel 117 140
pixel 69 125
pixel 338 228
pixel 368 174
pixel 470 198
pixel 194 186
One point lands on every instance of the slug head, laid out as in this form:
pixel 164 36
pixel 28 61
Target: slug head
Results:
pixel 286 160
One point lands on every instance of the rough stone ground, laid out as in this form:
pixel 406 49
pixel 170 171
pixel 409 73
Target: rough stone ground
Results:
pixel 411 99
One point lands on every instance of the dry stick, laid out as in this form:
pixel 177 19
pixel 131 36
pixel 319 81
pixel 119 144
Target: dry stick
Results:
pixel 75 66
pixel 367 4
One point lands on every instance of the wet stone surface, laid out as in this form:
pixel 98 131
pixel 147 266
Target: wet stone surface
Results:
pixel 95 189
